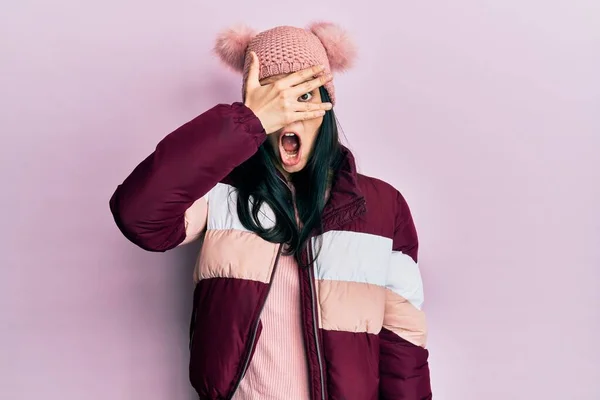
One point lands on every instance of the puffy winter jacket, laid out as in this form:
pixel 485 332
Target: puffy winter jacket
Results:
pixel 364 331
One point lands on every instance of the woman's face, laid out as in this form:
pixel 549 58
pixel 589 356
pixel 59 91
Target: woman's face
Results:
pixel 294 143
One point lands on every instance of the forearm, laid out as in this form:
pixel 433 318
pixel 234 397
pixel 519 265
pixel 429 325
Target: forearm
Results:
pixel 149 205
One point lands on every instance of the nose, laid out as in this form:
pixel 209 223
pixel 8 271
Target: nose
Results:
pixel 293 127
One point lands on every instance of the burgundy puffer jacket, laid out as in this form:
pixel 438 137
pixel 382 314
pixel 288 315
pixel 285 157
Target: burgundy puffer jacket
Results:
pixel 364 331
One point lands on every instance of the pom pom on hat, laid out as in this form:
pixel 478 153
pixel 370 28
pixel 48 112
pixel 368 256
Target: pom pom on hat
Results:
pixel 231 45
pixel 340 49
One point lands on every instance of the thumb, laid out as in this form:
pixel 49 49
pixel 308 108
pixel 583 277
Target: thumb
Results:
pixel 253 73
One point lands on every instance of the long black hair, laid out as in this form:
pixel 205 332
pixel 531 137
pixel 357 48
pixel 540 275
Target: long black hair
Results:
pixel 258 181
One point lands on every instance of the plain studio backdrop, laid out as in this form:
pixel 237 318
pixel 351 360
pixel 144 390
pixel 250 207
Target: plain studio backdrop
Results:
pixel 485 114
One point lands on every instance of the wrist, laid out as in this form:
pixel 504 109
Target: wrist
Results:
pixel 258 117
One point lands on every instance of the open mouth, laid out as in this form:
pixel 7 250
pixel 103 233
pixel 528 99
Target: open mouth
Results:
pixel 289 148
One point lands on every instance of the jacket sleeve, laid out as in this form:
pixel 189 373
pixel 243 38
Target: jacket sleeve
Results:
pixel 165 193
pixel 404 369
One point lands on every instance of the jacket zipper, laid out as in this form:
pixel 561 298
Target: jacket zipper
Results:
pixel 314 310
pixel 255 329
pixel 313 299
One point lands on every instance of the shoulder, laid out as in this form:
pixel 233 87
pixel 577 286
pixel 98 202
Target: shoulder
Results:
pixel 369 183
pixel 383 193
pixel 387 205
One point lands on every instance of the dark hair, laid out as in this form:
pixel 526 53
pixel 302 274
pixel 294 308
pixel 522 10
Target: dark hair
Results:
pixel 258 181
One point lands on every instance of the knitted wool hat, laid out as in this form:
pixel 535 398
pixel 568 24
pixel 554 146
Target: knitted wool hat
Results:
pixel 287 49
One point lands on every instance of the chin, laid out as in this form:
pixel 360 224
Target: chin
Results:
pixel 291 169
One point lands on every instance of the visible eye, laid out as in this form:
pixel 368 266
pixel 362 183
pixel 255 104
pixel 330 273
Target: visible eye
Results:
pixel 305 97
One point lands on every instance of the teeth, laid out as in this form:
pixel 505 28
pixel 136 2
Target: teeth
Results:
pixel 289 134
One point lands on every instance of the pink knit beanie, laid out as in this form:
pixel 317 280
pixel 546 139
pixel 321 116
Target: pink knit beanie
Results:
pixel 287 49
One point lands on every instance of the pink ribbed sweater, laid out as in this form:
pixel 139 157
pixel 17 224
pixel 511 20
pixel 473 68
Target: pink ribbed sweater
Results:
pixel 278 370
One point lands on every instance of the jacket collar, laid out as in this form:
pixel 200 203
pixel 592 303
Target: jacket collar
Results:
pixel 346 201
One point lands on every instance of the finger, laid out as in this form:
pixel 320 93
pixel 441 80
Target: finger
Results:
pixel 301 76
pixel 306 115
pixel 311 85
pixel 306 106
pixel 253 73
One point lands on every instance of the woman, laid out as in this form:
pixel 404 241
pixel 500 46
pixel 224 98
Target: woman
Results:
pixel 307 285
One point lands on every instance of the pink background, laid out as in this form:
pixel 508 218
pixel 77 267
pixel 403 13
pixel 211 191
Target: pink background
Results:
pixel 483 113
